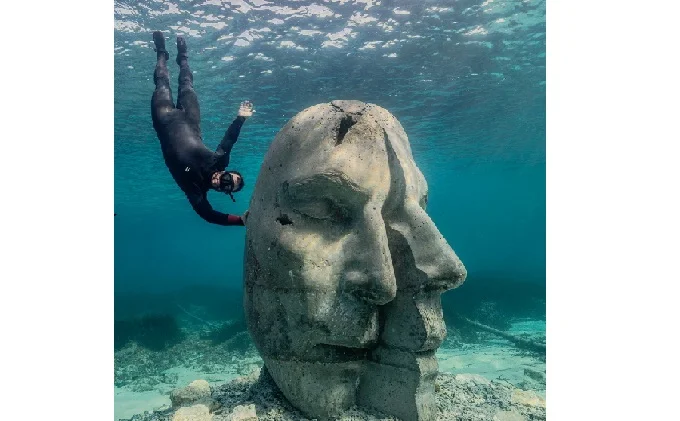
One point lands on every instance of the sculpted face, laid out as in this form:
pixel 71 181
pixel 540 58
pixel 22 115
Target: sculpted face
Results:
pixel 341 255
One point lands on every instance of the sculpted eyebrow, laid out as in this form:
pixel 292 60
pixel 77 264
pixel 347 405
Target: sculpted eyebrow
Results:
pixel 331 185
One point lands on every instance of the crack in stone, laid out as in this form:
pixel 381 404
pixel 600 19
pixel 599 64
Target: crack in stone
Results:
pixel 345 124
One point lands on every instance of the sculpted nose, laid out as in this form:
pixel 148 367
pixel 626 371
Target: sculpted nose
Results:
pixel 431 252
pixel 369 274
pixel 377 287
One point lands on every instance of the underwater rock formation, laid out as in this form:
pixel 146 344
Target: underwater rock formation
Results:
pixel 343 267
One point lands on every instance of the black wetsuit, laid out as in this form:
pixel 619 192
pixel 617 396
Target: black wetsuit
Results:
pixel 190 162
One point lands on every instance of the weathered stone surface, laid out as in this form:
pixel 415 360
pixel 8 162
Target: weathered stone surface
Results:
pixel 197 391
pixel 400 384
pixel 198 412
pixel 338 241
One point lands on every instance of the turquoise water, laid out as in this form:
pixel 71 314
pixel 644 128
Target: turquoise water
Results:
pixel 467 83
pixel 465 78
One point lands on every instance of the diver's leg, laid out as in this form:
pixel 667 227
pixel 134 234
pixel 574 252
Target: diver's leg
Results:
pixel 161 102
pixel 186 96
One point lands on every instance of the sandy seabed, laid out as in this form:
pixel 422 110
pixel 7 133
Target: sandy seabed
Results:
pixel 463 397
pixel 491 380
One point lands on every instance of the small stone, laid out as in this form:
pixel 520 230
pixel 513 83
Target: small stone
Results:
pixel 197 391
pixel 197 412
pixel 244 413
pixel 508 416
pixel 527 397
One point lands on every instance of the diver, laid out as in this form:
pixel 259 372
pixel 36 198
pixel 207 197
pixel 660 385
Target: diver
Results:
pixel 195 168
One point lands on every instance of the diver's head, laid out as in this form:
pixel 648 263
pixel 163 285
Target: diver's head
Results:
pixel 227 182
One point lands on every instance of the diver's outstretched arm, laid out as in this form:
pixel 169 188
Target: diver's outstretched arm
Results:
pixel 231 136
pixel 205 210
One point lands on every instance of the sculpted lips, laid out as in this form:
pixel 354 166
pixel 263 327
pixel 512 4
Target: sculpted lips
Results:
pixel 346 349
pixel 348 346
pixel 337 354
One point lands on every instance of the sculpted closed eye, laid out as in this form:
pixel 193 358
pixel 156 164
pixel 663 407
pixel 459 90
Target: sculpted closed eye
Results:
pixel 324 209
pixel 329 196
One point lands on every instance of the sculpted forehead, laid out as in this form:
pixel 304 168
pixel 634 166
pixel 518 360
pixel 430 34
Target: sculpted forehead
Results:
pixel 325 140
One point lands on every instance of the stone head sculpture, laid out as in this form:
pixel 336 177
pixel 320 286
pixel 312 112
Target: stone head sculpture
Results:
pixel 343 267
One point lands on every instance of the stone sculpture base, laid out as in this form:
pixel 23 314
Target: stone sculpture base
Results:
pixel 401 383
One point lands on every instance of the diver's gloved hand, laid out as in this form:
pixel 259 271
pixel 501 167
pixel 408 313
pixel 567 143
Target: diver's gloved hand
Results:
pixel 246 109
pixel 245 217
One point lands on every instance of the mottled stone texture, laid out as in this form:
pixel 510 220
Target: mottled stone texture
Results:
pixel 344 269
